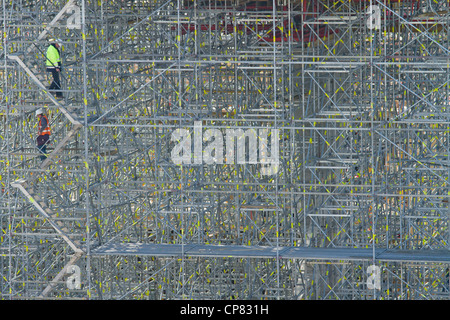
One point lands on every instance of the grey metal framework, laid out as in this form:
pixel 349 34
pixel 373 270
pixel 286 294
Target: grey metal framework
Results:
pixel 358 91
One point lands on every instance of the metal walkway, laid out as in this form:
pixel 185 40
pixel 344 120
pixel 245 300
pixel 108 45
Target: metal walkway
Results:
pixel 236 251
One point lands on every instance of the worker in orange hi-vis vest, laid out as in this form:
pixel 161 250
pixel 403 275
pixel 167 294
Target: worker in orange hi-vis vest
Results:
pixel 43 133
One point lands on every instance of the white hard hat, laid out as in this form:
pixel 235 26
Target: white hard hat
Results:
pixel 39 111
pixel 57 41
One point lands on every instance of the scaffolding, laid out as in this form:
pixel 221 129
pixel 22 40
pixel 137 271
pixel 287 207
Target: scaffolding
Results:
pixel 348 97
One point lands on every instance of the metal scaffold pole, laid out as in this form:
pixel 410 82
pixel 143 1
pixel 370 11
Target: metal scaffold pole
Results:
pixel 226 150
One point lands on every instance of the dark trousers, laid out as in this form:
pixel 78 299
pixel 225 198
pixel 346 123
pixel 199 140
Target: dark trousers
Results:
pixel 56 83
pixel 42 142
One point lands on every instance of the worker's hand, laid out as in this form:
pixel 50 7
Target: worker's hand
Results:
pixel 58 70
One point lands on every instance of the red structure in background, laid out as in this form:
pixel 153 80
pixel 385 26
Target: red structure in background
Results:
pixel 277 30
pixel 265 28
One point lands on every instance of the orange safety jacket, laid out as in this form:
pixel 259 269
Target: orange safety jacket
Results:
pixel 46 130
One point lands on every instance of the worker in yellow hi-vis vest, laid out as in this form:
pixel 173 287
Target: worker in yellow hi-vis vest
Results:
pixel 54 65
